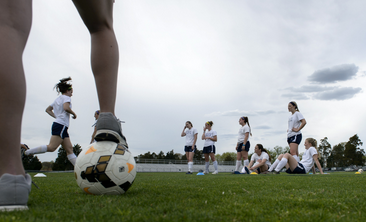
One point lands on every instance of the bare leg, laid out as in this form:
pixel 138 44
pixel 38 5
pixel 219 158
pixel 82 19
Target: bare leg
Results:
pixel 15 23
pixel 98 18
pixel 293 148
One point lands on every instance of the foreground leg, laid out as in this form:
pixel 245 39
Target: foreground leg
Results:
pixel 15 23
pixel 97 15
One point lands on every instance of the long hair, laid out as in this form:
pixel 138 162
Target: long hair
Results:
pixel 260 146
pixel 63 86
pixel 246 120
pixel 295 104
pixel 314 143
pixel 189 122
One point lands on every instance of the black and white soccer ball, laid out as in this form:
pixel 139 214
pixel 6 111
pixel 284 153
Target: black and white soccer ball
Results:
pixel 105 168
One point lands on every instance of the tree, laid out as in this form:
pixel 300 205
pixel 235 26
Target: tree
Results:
pixel 62 163
pixel 31 163
pixel 228 156
pixel 336 158
pixel 324 150
pixel 198 155
pixel 352 153
pixel 172 156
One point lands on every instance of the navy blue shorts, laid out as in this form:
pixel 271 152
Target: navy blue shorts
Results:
pixel 295 139
pixel 243 148
pixel 59 130
pixel 300 169
pixel 209 149
pixel 189 149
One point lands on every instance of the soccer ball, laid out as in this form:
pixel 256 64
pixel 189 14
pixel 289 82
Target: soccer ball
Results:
pixel 360 170
pixel 105 168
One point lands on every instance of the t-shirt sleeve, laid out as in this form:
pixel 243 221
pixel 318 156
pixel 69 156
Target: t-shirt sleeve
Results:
pixel 195 131
pixel 67 99
pixel 312 151
pixel 265 156
pixel 253 158
pixel 299 116
pixel 214 133
pixel 246 129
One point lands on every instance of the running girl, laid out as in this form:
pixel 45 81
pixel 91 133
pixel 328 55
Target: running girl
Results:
pixel 60 109
pixel 190 148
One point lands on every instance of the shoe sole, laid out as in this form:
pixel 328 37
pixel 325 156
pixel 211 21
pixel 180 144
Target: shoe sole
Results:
pixel 109 135
pixel 247 170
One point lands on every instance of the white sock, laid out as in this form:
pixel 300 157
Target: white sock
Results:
pixel 190 164
pixel 281 164
pixel 39 149
pixel 238 165
pixel 246 162
pixel 273 166
pixel 207 164
pixel 72 158
pixel 215 165
pixel 297 158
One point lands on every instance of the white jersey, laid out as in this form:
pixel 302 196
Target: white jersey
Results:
pixel 242 131
pixel 294 122
pixel 190 136
pixel 211 133
pixel 263 156
pixel 307 159
pixel 62 117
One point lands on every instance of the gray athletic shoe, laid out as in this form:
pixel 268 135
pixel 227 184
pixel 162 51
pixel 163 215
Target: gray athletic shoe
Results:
pixel 109 129
pixel 14 192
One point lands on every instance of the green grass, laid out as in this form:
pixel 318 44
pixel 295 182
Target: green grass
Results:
pixel 222 197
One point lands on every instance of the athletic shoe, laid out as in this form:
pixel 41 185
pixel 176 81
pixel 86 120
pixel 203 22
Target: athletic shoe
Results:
pixel 206 172
pixel 14 192
pixel 265 172
pixel 109 129
pixel 215 172
pixel 189 172
pixel 246 170
pixel 274 172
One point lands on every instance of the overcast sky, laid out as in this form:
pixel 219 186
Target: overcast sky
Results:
pixel 206 60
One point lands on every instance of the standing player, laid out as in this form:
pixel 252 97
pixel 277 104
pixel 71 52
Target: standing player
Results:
pixel 190 148
pixel 243 144
pixel 15 24
pixel 209 149
pixel 260 161
pixel 295 123
pixel 60 109
pixel 96 116
pixel 303 167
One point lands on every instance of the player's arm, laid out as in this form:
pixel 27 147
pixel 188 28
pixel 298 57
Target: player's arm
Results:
pixel 214 138
pixel 250 164
pixel 246 138
pixel 315 157
pixel 194 141
pixel 49 110
pixel 303 123
pixel 67 108
pixel 183 132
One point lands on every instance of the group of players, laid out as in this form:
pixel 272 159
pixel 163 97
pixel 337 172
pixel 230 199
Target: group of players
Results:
pixel 260 161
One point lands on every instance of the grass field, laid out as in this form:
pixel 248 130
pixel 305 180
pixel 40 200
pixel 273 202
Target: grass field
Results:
pixel 222 197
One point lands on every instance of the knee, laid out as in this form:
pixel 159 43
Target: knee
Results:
pixel 99 27
pixel 51 148
pixel 280 157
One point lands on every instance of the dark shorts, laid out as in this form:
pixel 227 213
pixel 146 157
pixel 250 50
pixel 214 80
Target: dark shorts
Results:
pixel 295 139
pixel 209 149
pixel 189 149
pixel 59 130
pixel 243 148
pixel 300 169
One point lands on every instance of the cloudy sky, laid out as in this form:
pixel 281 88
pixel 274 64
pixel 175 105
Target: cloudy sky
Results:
pixel 202 60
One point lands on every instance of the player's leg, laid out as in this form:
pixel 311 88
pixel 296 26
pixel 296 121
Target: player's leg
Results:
pixel 238 161
pixel 294 150
pixel 15 23
pixel 214 163
pixel 207 162
pixel 97 15
pixel 67 145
